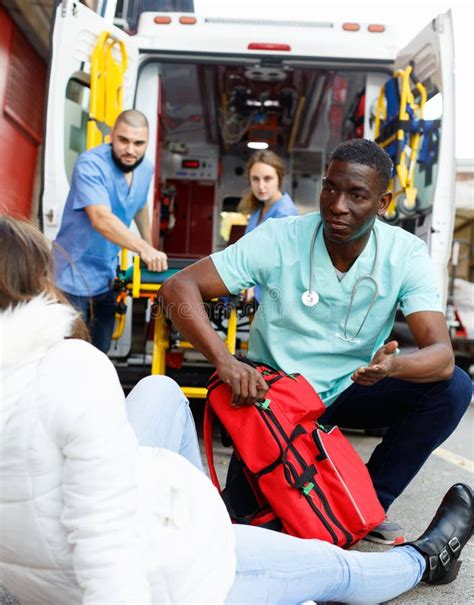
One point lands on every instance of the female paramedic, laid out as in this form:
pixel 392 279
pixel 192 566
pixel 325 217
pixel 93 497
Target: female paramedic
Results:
pixel 88 516
pixel 265 172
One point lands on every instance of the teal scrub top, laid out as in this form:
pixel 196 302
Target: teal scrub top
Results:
pixel 86 261
pixel 281 208
pixel 287 334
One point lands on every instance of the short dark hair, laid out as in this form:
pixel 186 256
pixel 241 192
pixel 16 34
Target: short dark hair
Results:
pixel 132 117
pixel 363 151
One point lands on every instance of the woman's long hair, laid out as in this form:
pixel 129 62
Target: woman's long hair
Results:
pixel 249 203
pixel 27 268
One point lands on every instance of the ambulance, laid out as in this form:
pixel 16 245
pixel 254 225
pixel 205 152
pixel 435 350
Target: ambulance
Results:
pixel 213 87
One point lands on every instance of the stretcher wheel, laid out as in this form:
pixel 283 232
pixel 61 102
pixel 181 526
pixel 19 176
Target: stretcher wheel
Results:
pixel 392 217
pixel 407 211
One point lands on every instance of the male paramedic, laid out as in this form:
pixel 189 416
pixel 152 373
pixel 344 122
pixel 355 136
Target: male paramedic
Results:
pixel 331 284
pixel 108 190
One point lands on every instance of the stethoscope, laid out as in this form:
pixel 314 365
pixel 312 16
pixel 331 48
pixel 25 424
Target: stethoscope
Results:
pixel 310 297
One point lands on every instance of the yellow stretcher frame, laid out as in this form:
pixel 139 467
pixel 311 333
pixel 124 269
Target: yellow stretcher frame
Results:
pixel 106 84
pixel 404 173
pixel 106 103
pixel 161 343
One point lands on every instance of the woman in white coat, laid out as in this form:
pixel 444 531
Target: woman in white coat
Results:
pixel 88 516
pixel 85 515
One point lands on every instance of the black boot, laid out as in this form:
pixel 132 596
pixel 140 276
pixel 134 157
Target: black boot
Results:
pixel 446 535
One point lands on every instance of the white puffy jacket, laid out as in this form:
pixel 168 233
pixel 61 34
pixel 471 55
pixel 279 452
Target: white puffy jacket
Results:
pixel 86 516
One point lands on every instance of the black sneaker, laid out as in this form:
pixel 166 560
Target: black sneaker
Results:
pixel 388 532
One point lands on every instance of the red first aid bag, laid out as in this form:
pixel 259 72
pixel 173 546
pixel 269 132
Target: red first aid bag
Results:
pixel 289 472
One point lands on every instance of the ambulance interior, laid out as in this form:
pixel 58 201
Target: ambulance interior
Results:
pixel 207 115
pixel 202 117
pixel 205 108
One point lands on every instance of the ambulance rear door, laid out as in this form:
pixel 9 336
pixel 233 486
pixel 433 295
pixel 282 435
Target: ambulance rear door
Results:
pixel 76 32
pixel 432 54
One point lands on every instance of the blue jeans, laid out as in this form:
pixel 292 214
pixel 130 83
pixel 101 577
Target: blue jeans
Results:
pixel 98 312
pixel 419 417
pixel 274 567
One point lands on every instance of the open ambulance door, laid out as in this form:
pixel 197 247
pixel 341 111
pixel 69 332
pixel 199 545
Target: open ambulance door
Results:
pixel 76 32
pixel 431 54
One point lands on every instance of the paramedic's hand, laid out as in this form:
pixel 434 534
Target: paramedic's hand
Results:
pixel 153 258
pixel 380 367
pixel 247 384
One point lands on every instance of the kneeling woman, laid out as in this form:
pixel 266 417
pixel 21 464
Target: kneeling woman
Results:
pixel 88 516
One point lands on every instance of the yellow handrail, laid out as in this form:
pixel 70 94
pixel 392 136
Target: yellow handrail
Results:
pixel 106 83
pixel 106 101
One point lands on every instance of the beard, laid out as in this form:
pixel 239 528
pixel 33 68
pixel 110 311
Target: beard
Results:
pixel 125 167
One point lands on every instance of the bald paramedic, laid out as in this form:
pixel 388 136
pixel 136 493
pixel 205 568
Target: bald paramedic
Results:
pixel 332 282
pixel 108 190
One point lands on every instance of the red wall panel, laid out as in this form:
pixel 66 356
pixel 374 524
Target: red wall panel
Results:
pixel 22 89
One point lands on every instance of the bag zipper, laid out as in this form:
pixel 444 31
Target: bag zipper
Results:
pixel 320 445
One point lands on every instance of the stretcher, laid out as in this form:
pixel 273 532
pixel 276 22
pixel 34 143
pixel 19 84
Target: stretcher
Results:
pixel 409 139
pixel 137 282
pixel 108 66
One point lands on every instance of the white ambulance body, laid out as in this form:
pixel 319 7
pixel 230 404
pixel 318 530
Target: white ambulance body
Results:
pixel 210 85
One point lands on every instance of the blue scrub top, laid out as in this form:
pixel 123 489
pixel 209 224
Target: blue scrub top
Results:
pixel 281 208
pixel 86 261
pixel 288 335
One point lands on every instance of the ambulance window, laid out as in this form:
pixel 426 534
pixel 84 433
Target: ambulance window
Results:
pixel 76 115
